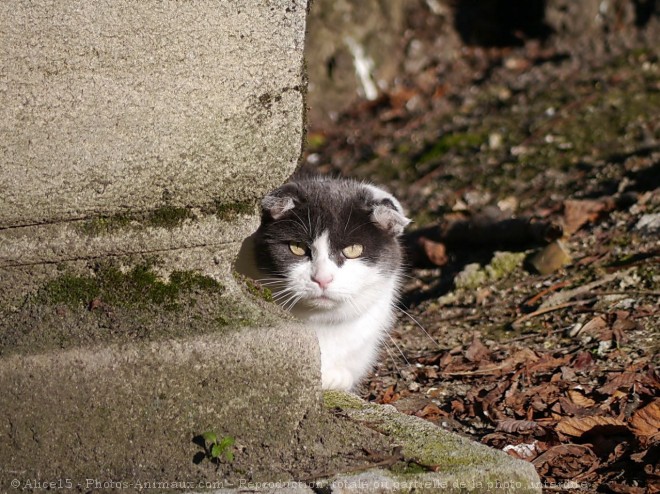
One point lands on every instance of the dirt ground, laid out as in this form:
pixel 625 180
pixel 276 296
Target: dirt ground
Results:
pixel 538 337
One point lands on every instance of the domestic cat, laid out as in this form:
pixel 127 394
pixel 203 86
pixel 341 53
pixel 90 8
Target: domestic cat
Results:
pixel 329 249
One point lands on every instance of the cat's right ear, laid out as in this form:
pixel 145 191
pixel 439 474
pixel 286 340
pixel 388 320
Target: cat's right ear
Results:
pixel 279 201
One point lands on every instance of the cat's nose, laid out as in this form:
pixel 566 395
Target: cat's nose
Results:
pixel 322 279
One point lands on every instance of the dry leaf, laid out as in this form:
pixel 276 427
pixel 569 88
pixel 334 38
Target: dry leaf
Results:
pixel 476 351
pixel 579 212
pixel 390 395
pixel 579 399
pixel 645 422
pixel 523 451
pixel 517 426
pixel 577 427
pixel 435 251
pixel 596 326
pixel 430 412
pixel 457 406
pixel 566 461
pixel 583 361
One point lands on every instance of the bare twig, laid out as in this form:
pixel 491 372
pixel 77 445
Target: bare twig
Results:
pixel 516 324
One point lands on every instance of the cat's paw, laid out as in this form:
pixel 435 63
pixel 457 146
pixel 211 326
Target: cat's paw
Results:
pixel 336 378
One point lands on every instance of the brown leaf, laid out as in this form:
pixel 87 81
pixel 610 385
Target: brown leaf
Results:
pixel 548 363
pixel 579 426
pixel 457 406
pixel 644 382
pixel 566 461
pixel 597 326
pixel 618 488
pixel 430 412
pixel 389 396
pixel 435 251
pixel 513 426
pixel 622 381
pixel 645 422
pixel 579 212
pixel 579 399
pixel 583 361
pixel 477 351
pixel 570 408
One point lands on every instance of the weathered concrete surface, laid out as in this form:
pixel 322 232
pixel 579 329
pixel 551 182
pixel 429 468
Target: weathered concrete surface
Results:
pixel 204 242
pixel 127 105
pixel 432 460
pixel 459 464
pixel 135 141
pixel 129 412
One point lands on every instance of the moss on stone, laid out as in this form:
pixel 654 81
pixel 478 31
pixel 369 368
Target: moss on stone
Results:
pixel 346 401
pixel 104 225
pixel 254 288
pixel 502 265
pixel 229 211
pixel 134 288
pixel 163 217
pixel 168 217
pixel 427 447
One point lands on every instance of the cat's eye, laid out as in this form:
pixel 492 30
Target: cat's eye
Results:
pixel 298 248
pixel 352 251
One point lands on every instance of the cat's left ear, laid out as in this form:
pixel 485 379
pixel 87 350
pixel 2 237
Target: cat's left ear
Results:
pixel 389 219
pixel 387 212
pixel 279 201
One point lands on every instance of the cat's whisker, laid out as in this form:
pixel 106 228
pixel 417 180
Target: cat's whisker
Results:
pixel 400 351
pixel 274 282
pixel 389 352
pixel 419 325
pixel 309 220
pixel 293 301
pixel 360 226
pixel 349 218
pixel 301 222
pixel 284 295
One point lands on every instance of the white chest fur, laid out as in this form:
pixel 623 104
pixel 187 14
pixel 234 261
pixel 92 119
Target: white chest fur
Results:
pixel 350 348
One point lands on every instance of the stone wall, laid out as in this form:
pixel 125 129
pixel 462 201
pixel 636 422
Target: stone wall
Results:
pixel 135 141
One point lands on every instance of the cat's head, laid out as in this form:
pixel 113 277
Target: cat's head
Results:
pixel 330 245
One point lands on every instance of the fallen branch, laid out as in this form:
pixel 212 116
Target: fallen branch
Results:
pixel 516 324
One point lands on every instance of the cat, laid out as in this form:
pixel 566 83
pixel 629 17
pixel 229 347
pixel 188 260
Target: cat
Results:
pixel 331 255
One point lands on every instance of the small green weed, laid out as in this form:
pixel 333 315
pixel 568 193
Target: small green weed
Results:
pixel 215 449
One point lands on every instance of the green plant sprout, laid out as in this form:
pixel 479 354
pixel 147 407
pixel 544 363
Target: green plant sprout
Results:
pixel 216 449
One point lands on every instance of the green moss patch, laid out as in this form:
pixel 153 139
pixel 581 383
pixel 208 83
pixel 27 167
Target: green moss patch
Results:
pixel 134 288
pixel 163 217
pixel 229 211
pixel 168 217
pixel 253 287
pixel 502 265
pixel 427 447
pixel 104 225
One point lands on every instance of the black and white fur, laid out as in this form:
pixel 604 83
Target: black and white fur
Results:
pixel 348 300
